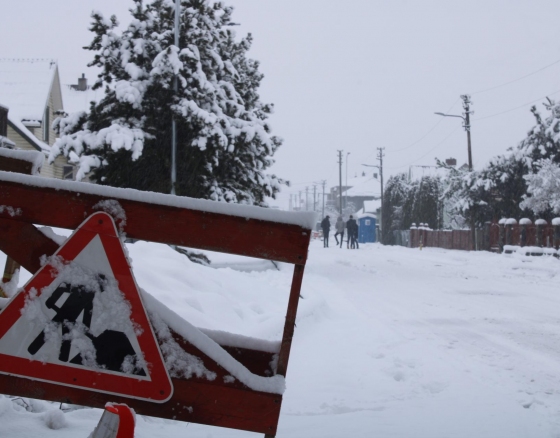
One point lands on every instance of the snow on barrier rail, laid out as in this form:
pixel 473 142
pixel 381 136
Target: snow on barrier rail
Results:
pixel 219 378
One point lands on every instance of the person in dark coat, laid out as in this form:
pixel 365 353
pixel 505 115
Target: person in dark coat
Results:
pixel 352 227
pixel 326 226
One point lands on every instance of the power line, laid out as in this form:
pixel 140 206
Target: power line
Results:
pixel 427 133
pixel 516 80
pixel 518 107
pixel 431 150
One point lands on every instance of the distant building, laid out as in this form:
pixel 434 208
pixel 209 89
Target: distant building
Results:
pixel 356 191
pixel 30 94
pixel 78 97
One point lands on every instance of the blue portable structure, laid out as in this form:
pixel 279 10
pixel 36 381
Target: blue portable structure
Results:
pixel 366 233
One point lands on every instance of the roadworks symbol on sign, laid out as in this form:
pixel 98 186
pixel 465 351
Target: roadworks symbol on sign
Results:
pixel 80 321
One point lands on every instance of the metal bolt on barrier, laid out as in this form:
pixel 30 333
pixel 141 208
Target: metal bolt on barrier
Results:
pixel 117 421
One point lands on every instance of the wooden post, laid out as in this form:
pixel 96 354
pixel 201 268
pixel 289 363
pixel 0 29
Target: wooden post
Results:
pixel 290 324
pixel 9 270
pixel 556 225
pixel 509 233
pixel 540 224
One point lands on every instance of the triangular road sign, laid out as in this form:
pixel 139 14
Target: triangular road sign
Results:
pixel 80 321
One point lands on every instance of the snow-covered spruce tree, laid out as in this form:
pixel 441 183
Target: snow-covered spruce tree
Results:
pixel 427 203
pixel 224 141
pixel 407 202
pixel 394 197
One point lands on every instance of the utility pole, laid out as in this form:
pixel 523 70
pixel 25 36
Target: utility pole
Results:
pixel 314 197
pixel 380 156
pixel 306 202
pixel 467 125
pixel 340 180
pixel 290 207
pixel 323 183
pixel 299 205
pixel 466 106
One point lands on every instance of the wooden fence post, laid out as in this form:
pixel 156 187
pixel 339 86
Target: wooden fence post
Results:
pixel 523 234
pixel 486 236
pixel 556 225
pixel 540 223
pixel 509 230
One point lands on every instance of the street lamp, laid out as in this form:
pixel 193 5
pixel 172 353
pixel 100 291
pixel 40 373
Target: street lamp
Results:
pixel 466 123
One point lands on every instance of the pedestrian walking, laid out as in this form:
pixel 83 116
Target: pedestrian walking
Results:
pixel 339 227
pixel 352 227
pixel 326 227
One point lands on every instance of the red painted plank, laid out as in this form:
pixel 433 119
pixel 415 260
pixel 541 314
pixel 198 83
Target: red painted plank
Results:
pixel 289 325
pixel 163 224
pixel 24 243
pixel 192 401
pixel 8 164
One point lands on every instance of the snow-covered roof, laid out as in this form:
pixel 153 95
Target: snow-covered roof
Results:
pixel 417 172
pixel 370 215
pixel 75 100
pixel 363 186
pixel 372 206
pixel 5 142
pixel 25 85
pixel 23 131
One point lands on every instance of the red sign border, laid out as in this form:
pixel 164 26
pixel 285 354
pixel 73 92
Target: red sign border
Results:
pixel 159 389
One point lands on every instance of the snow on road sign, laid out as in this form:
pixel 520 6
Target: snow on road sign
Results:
pixel 80 321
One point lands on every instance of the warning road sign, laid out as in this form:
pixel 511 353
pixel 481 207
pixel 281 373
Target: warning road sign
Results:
pixel 80 321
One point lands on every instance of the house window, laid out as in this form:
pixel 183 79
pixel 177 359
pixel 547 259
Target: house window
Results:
pixel 68 172
pixel 46 126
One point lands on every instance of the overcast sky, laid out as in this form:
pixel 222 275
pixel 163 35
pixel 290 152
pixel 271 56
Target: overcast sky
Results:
pixel 357 74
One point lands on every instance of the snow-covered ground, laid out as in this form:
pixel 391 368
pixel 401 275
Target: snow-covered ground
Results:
pixel 390 342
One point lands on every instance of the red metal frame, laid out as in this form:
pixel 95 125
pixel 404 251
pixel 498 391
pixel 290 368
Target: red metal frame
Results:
pixel 195 400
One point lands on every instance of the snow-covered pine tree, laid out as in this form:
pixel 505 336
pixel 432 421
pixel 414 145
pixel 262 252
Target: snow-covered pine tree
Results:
pixel 224 142
pixel 399 200
pixel 427 204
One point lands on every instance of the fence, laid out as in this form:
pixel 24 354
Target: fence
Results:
pixel 448 239
pixel 492 237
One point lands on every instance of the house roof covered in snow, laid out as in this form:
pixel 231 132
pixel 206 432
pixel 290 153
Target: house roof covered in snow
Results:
pixel 25 85
pixel 372 206
pixel 365 185
pixel 417 172
pixel 78 100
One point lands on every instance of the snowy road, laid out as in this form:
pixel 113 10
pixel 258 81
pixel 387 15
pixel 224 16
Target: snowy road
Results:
pixel 390 342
